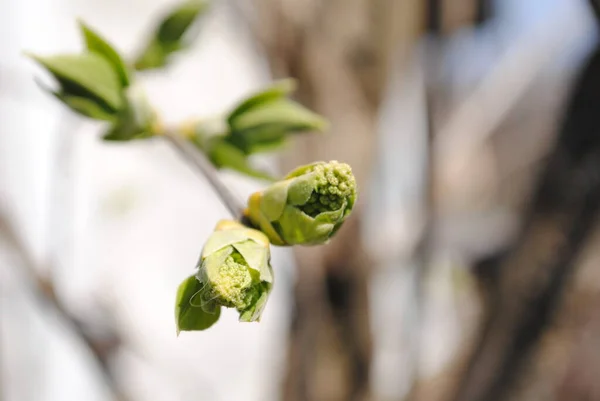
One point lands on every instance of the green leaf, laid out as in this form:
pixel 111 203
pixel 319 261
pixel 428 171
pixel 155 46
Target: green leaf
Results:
pixel 171 35
pixel 187 316
pixel 278 90
pixel 260 139
pixel 273 144
pixel 223 154
pixel 96 43
pixel 82 105
pixel 274 119
pixel 176 24
pixel 154 56
pixel 86 75
pixel 125 132
pixel 87 107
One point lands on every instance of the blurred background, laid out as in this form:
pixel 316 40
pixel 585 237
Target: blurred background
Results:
pixel 470 271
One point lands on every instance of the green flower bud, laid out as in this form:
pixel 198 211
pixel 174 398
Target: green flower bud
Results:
pixel 308 207
pixel 234 271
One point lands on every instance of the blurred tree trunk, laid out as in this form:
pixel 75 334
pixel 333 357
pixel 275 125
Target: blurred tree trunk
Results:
pixel 527 285
pixel 341 52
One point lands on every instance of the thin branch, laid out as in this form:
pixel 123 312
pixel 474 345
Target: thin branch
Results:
pixel 45 290
pixel 202 165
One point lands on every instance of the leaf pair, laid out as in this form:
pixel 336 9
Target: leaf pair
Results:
pixel 264 120
pixel 260 123
pixel 92 83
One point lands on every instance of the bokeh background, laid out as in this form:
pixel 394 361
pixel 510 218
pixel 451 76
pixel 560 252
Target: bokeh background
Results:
pixel 470 271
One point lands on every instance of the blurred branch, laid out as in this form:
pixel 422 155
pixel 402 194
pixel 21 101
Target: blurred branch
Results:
pixel 202 165
pixel 423 252
pixel 529 280
pixel 46 292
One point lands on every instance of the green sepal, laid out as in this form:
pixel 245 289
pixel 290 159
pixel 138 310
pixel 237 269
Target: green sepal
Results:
pixel 87 75
pixel 301 170
pixel 274 199
pixel 300 189
pixel 299 228
pixel 253 313
pixel 96 43
pixel 187 316
pixel 257 259
pixel 220 239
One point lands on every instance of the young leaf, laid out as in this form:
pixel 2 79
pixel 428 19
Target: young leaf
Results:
pixel 171 35
pixel 154 56
pixel 276 91
pixel 176 24
pixel 279 117
pixel 82 105
pixel 125 131
pixel 87 107
pixel 87 75
pixel 188 315
pixel 96 43
pixel 260 140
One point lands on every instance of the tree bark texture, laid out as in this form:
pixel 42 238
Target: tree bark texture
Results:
pixel 528 283
pixel 340 51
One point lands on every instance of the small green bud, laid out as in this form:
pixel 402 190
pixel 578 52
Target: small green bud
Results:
pixel 235 268
pixel 234 271
pixel 308 207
